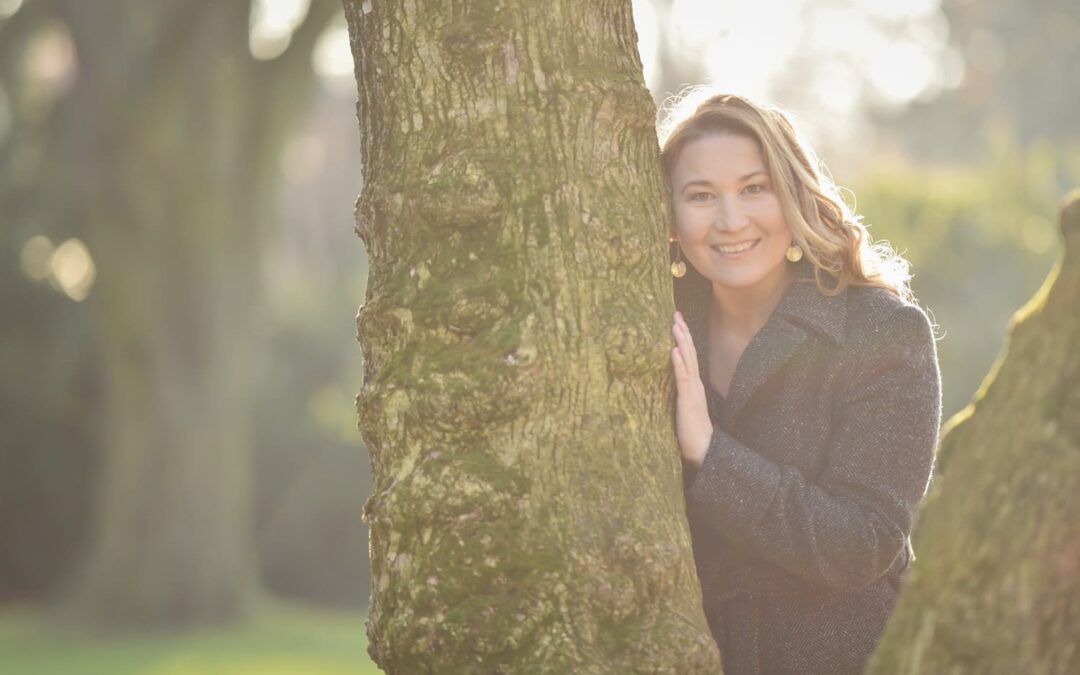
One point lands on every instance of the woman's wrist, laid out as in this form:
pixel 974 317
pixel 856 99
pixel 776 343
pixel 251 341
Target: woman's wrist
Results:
pixel 698 457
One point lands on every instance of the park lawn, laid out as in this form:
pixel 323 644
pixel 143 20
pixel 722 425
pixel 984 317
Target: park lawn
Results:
pixel 283 640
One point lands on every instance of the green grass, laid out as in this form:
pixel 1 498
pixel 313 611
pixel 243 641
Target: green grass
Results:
pixel 283 640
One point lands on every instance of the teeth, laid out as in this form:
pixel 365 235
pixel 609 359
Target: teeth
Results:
pixel 735 249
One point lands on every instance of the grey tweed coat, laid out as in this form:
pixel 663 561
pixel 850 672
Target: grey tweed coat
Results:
pixel 801 511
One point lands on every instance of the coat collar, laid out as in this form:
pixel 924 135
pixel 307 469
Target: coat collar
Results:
pixel 801 311
pixel 804 304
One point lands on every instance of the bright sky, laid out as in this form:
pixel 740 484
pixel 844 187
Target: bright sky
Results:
pixel 889 51
pixel 829 60
pixel 836 56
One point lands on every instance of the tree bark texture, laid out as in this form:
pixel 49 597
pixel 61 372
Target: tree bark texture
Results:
pixel 165 151
pixel 527 511
pixel 996 584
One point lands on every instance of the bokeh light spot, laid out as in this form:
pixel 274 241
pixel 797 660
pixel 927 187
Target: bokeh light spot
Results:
pixel 272 25
pixel 9 7
pixel 51 67
pixel 34 257
pixel 73 269
pixel 332 58
pixel 900 72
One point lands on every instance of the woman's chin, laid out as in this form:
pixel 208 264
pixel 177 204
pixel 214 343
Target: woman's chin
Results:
pixel 736 279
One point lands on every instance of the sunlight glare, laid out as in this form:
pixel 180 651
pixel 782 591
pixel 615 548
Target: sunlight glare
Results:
pixel 34 257
pixel 843 31
pixel 73 269
pixel 272 26
pixel 699 21
pixel 900 72
pixel 332 58
pixel 832 59
pixel 9 7
pixel 740 44
pixel 645 25
pixel 51 64
pixel 839 86
pixel 894 10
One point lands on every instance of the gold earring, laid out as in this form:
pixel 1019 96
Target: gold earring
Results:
pixel 794 253
pixel 678 268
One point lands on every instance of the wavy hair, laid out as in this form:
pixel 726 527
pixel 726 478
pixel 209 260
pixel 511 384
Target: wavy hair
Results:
pixel 831 235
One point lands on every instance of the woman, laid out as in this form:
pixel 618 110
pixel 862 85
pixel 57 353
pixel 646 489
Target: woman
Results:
pixel 808 395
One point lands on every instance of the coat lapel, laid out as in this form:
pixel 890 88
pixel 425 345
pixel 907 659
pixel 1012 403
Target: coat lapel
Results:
pixel 803 311
pixel 767 352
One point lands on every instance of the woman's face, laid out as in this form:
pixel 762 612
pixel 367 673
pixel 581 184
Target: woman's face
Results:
pixel 727 217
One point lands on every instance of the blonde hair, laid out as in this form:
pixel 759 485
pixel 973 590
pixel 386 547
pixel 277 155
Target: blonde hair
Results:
pixel 831 235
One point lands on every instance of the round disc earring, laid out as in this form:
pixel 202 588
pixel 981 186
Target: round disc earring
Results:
pixel 678 268
pixel 794 252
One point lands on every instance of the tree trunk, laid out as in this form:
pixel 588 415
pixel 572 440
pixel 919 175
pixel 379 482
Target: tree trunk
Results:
pixel 166 152
pixel 996 586
pixel 527 512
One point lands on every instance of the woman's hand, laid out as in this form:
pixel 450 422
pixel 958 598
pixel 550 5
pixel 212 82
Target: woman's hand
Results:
pixel 692 424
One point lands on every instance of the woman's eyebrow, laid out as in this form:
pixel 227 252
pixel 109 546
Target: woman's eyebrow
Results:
pixel 695 183
pixel 705 183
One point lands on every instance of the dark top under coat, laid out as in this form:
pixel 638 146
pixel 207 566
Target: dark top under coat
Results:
pixel 802 509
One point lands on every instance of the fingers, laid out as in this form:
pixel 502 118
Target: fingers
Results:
pixel 685 343
pixel 679 366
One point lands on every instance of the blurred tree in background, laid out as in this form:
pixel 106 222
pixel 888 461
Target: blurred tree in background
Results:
pixel 153 135
pixel 45 343
pixel 313 473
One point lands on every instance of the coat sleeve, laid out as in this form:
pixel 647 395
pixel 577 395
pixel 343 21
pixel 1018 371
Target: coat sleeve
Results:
pixel 845 530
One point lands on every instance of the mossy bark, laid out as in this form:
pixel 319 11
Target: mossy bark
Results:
pixel 996 584
pixel 527 512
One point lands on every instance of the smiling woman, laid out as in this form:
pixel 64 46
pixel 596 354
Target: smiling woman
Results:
pixel 808 394
pixel 729 218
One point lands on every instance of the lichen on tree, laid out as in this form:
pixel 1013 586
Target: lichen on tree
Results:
pixel 527 511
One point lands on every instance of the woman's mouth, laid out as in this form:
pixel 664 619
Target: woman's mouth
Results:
pixel 735 250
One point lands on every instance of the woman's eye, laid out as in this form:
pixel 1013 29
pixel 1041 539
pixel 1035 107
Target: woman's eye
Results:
pixel 755 189
pixel 695 197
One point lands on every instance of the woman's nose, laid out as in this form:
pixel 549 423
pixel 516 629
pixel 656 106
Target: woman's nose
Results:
pixel 729 217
